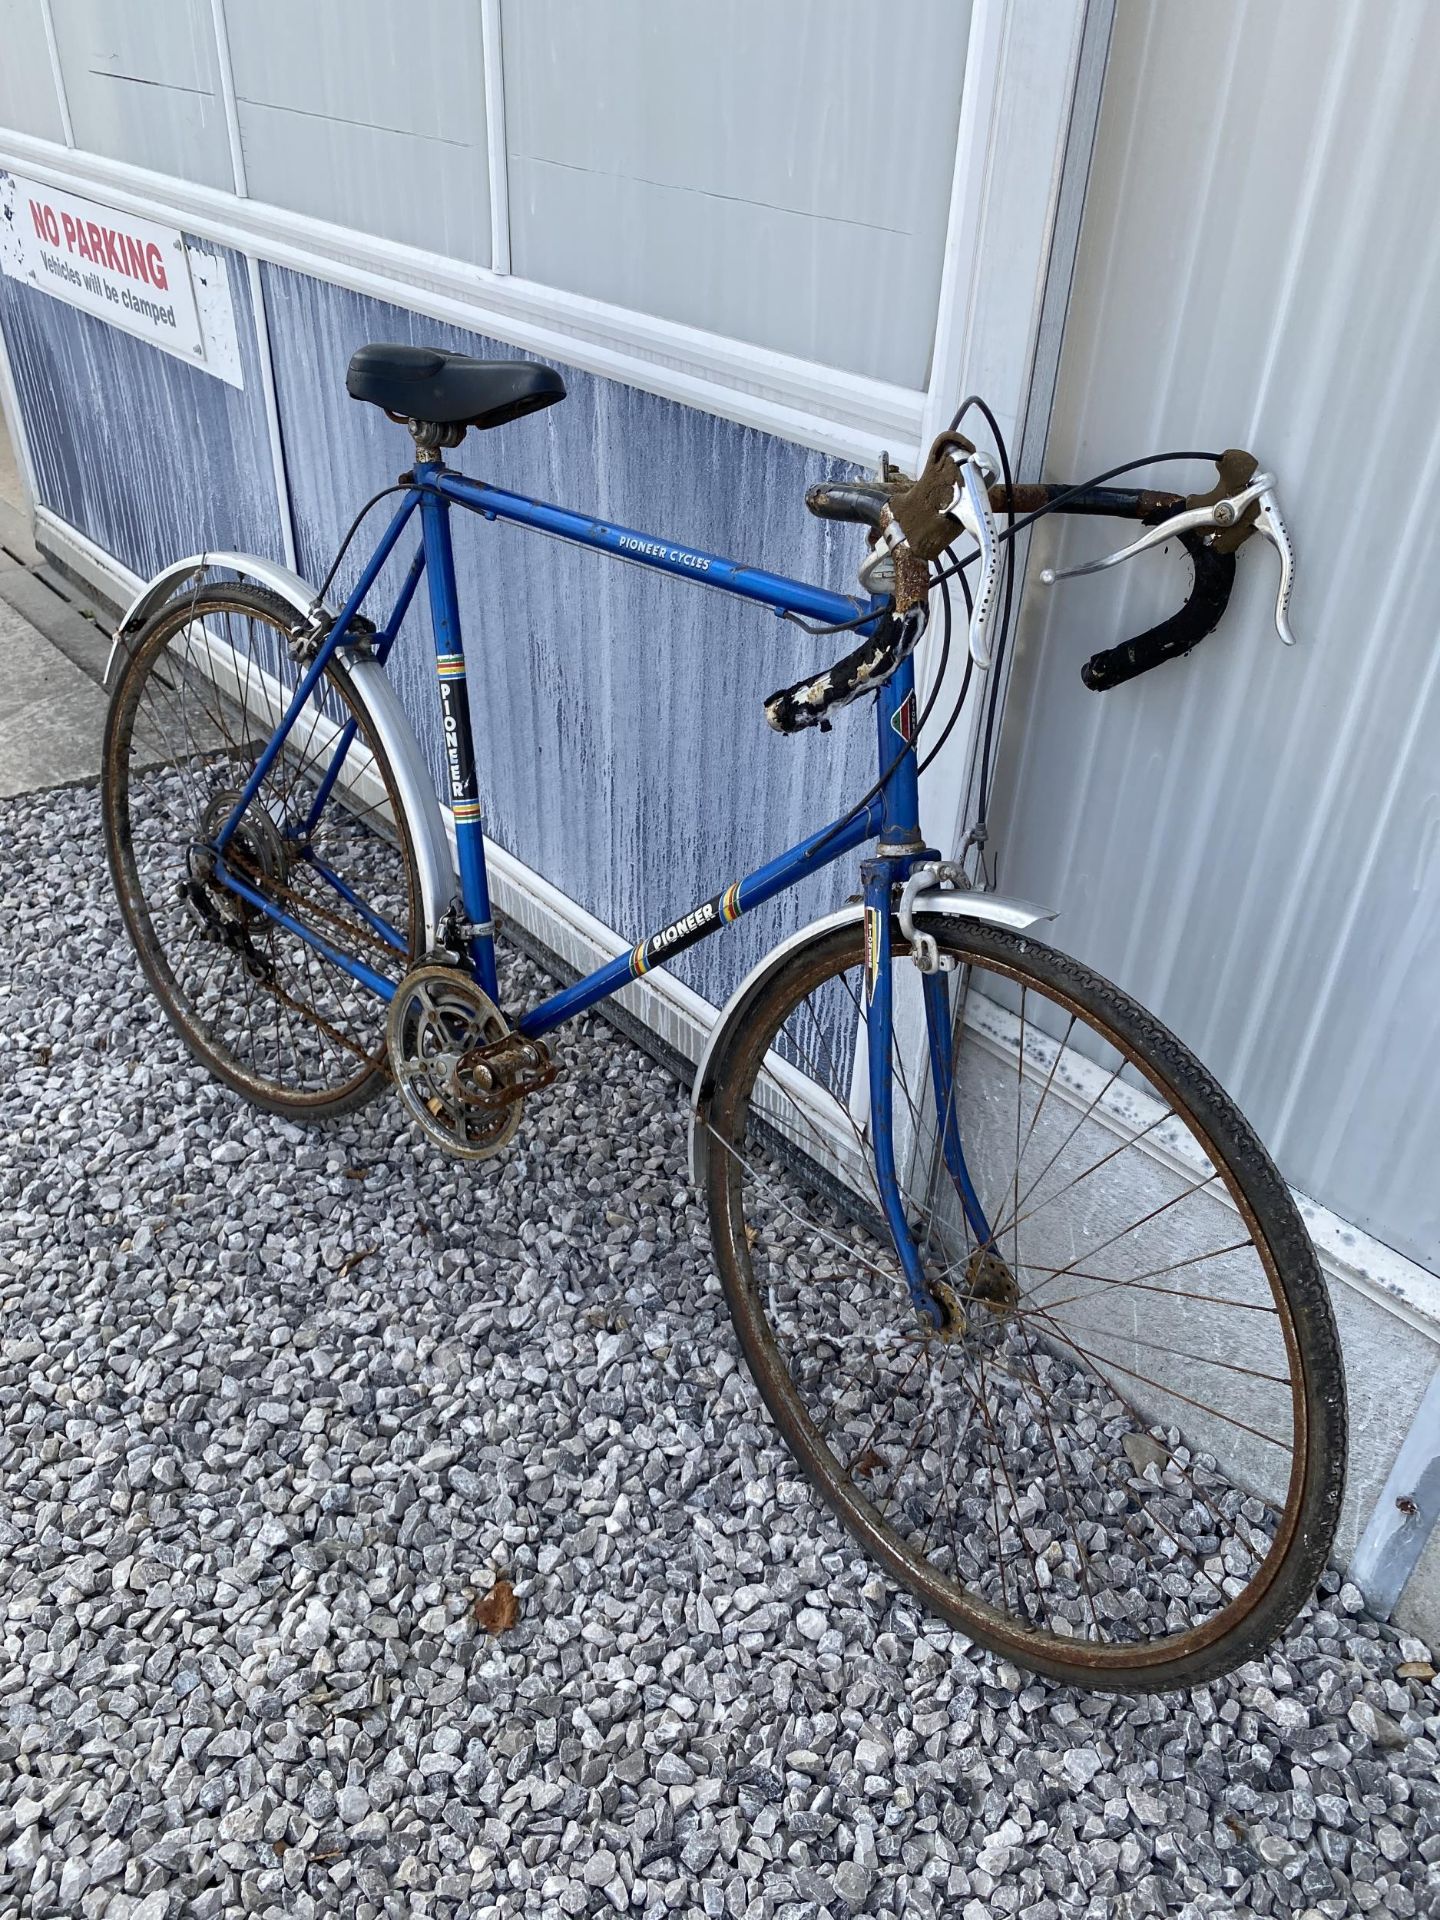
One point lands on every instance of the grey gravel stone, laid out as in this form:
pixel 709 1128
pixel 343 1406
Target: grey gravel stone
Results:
pixel 853 1883
pixel 254 1487
pixel 352 1803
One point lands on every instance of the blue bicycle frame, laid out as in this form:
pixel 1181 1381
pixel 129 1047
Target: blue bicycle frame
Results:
pixel 891 816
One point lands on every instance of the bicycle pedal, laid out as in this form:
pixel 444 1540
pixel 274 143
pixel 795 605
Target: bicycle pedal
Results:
pixel 500 1072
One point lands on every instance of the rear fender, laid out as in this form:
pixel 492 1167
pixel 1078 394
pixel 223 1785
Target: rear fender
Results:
pixel 377 697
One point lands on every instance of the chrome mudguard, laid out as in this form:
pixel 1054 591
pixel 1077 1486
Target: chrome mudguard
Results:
pixel 265 573
pixel 438 886
pixel 989 907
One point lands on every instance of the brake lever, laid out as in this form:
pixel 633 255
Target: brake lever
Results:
pixel 1218 515
pixel 971 507
pixel 1271 524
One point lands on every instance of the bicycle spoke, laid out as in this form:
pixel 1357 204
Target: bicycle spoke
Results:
pixel 265 1000
pixel 1009 1455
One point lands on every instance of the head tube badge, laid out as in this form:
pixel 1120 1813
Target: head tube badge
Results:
pixel 872 952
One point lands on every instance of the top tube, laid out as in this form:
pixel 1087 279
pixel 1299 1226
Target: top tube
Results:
pixel 773 590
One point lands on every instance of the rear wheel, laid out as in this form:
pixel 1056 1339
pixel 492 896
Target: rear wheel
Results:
pixel 1121 1462
pixel 271 1014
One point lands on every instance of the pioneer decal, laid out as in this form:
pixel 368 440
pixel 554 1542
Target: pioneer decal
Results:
pixel 459 747
pixel 658 550
pixel 724 909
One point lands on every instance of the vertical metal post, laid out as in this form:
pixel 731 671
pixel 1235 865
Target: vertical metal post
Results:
pixel 1405 1513
pixel 62 98
pixel 225 69
pixel 258 310
pixel 497 158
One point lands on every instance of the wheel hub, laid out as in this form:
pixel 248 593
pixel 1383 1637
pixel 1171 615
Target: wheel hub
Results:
pixel 257 853
pixel 989 1281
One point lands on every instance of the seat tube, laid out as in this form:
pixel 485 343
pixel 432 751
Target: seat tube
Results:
pixel 457 733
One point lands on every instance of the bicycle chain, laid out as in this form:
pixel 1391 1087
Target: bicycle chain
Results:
pixel 366 934
pixel 317 1019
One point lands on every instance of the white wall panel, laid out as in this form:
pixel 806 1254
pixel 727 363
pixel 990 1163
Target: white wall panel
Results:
pixel 142 83
pixel 369 114
pixel 777 174
pixel 1250 839
pixel 27 82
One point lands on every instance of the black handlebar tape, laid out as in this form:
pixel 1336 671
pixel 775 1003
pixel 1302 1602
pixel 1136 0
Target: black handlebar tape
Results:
pixel 857 500
pixel 1201 614
pixel 809 702
pixel 1116 503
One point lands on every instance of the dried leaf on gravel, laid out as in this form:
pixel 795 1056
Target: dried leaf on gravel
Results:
pixel 498 1610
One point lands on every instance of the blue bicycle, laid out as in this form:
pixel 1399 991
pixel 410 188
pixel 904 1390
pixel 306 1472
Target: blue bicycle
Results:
pixel 1018 1283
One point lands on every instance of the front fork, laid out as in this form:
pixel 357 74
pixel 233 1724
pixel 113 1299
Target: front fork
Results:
pixel 880 877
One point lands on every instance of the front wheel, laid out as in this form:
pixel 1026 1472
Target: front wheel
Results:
pixel 1120 1461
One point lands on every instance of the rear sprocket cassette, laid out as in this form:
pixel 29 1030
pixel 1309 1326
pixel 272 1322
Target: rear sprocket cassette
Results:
pixel 437 1017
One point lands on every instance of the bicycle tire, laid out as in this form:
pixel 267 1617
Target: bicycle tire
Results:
pixel 347 1088
pixel 1262 1198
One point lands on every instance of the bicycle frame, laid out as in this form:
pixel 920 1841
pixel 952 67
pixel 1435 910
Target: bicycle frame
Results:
pixel 891 816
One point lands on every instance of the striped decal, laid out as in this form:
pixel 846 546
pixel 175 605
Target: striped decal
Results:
pixel 720 911
pixel 450 666
pixel 467 811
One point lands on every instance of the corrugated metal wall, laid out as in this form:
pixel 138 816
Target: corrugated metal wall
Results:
pixel 148 456
pixel 1250 839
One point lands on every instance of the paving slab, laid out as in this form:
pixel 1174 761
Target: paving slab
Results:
pixel 52 714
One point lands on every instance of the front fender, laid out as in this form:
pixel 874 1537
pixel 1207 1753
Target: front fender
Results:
pixel 999 912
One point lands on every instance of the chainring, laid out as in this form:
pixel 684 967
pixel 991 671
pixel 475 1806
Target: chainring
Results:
pixel 437 1017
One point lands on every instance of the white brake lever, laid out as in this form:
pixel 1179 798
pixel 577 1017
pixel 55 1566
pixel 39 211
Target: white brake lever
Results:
pixel 1269 522
pixel 971 507
pixel 1224 513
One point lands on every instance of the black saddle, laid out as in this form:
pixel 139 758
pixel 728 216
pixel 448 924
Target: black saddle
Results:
pixel 423 383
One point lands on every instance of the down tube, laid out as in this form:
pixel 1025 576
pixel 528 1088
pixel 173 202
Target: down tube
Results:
pixel 723 910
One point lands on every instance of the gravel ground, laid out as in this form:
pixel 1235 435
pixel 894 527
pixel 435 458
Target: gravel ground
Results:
pixel 280 1409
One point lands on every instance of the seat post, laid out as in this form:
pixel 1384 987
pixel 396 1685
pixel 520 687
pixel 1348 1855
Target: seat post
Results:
pixel 431 435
